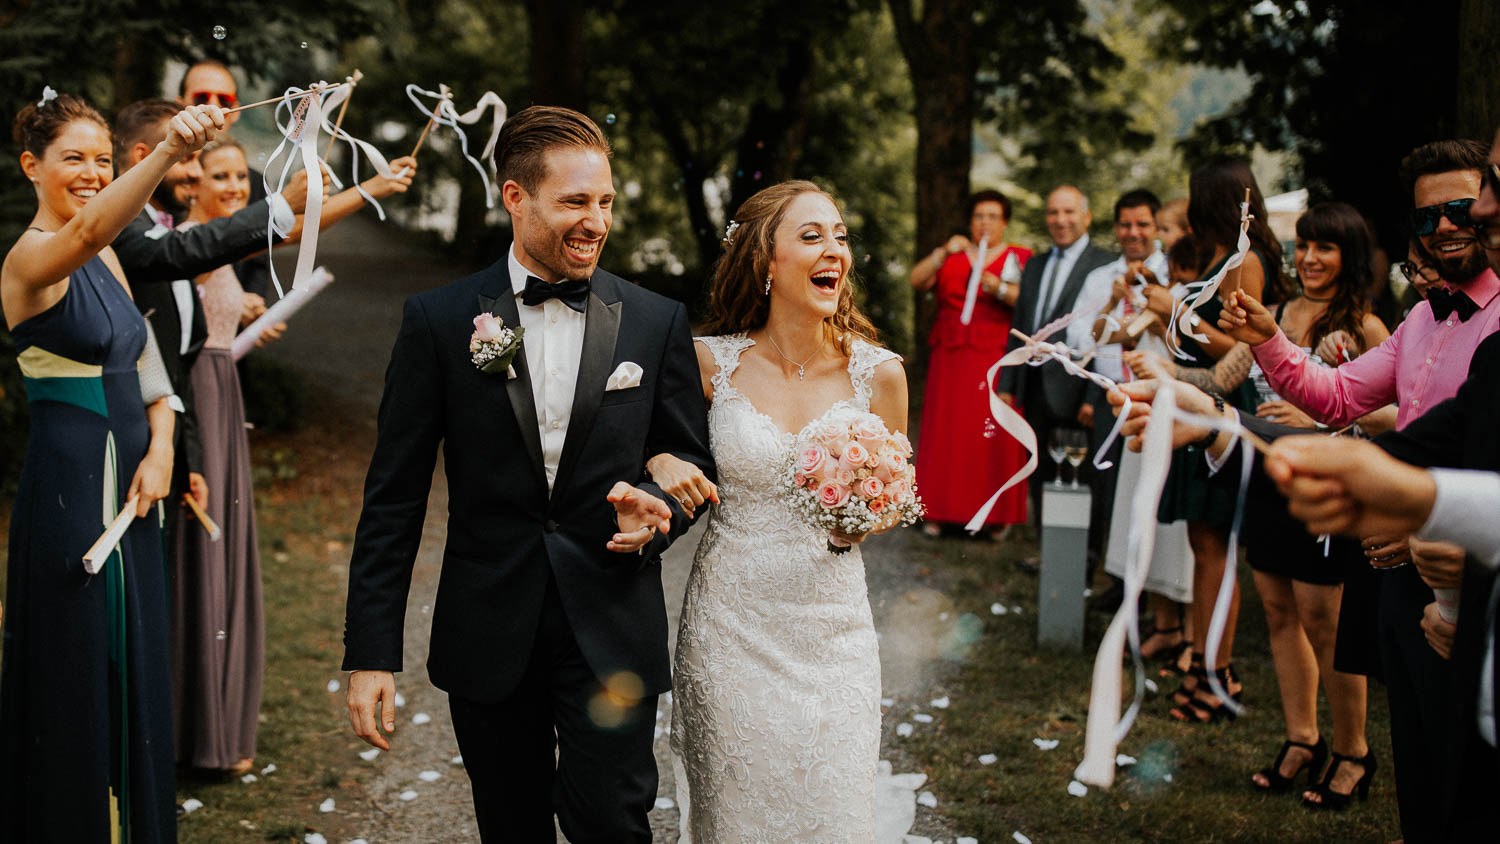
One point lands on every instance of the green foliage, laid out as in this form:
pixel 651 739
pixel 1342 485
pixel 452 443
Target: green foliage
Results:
pixel 1348 91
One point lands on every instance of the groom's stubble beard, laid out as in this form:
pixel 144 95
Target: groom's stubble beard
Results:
pixel 544 245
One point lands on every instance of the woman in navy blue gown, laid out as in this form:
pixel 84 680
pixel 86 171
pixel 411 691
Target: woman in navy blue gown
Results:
pixel 85 696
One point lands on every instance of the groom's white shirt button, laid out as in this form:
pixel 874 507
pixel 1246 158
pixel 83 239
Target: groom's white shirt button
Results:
pixel 553 344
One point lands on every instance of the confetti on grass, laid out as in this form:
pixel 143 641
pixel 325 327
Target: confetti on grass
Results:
pixel 927 799
pixel 326 806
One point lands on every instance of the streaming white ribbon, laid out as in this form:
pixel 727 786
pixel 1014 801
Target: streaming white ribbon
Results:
pixel 444 114
pixel 1035 351
pixel 974 275
pixel 304 118
pixel 1184 312
pixel 332 99
pixel 1105 729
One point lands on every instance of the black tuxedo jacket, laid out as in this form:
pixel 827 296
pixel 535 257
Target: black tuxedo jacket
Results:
pixel 1059 393
pixel 1460 433
pixel 506 534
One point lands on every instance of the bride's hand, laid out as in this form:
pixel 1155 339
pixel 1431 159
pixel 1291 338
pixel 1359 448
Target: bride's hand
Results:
pixel 683 481
pixel 855 538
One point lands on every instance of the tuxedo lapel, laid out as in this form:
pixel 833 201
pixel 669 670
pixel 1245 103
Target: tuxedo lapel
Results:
pixel 601 329
pixel 496 297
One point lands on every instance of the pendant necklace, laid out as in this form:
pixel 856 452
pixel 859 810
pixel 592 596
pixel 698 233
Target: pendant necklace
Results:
pixel 801 367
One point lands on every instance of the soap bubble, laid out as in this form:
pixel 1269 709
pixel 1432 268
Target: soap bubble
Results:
pixel 219 33
pixel 304 45
pixel 610 118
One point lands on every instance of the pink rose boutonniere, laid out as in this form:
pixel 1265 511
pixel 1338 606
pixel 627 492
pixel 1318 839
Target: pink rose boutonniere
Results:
pixel 493 345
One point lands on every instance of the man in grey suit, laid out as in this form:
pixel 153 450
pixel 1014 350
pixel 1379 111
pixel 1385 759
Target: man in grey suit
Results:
pixel 1049 396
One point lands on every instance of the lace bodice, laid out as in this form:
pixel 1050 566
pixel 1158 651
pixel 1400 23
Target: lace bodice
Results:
pixel 777 676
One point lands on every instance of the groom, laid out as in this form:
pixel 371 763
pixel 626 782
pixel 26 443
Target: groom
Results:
pixel 549 630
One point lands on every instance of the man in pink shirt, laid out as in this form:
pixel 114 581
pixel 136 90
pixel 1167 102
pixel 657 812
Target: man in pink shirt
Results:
pixel 1423 363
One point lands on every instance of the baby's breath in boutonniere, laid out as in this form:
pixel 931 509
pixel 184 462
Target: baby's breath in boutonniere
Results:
pixel 494 344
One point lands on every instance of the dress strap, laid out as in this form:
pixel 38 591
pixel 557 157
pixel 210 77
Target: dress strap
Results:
pixel 863 358
pixel 726 350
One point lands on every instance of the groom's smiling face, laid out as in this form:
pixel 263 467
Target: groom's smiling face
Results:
pixel 560 229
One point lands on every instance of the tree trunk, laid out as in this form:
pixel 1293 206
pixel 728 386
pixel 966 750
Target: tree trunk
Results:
pixel 1479 84
pixel 136 73
pixel 941 60
pixel 557 54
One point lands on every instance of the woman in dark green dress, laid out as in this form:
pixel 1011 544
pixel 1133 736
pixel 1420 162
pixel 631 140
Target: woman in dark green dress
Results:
pixel 85 697
pixel 1215 193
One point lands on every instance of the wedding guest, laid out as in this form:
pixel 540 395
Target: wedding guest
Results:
pixel 1139 264
pixel 1169 580
pixel 963 463
pixel 1299 576
pixel 1421 364
pixel 85 729
pixel 1172 223
pixel 1049 397
pixel 218 654
pixel 1215 192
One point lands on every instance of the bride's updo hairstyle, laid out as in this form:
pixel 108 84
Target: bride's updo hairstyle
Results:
pixel 738 300
pixel 37 126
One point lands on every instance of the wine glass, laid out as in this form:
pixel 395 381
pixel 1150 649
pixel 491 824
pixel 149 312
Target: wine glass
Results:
pixel 1075 448
pixel 1057 449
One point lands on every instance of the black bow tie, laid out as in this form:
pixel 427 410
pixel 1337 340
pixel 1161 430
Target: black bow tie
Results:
pixel 574 294
pixel 1445 302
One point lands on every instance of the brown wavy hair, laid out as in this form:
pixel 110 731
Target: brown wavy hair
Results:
pixel 737 297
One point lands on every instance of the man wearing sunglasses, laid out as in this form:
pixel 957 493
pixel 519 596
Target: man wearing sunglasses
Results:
pixel 1422 364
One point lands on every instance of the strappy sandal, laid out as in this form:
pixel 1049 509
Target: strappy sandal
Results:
pixel 1276 783
pixel 1192 678
pixel 1200 711
pixel 1333 800
pixel 1165 651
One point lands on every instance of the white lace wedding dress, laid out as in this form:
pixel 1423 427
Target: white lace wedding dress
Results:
pixel 776 704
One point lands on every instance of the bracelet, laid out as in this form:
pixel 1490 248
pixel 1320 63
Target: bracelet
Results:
pixel 1213 435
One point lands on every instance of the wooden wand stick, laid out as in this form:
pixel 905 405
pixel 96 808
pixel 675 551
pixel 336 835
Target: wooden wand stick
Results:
pixel 338 123
pixel 300 94
pixel 208 523
pixel 93 559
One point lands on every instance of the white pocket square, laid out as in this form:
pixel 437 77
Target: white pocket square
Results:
pixel 625 376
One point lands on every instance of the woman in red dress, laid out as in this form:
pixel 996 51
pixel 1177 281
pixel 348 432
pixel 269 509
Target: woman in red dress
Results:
pixel 962 456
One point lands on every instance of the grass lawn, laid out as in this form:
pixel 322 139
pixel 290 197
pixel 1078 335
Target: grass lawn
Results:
pixel 1005 693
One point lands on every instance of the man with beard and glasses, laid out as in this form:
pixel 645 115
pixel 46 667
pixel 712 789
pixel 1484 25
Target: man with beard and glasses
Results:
pixel 1422 364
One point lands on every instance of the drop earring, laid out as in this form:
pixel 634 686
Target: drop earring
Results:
pixel 768 284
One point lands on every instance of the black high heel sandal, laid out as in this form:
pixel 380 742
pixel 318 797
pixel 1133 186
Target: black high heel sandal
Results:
pixel 1199 711
pixel 1334 801
pixel 1195 676
pixel 1276 783
pixel 1165 651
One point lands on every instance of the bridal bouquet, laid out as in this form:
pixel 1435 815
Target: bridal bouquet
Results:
pixel 852 476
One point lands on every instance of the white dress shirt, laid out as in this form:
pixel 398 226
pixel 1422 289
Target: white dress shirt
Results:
pixel 1463 514
pixel 1107 360
pixel 1059 266
pixel 553 344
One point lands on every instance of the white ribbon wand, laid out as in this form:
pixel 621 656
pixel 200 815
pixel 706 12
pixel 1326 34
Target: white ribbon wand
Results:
pixel 340 97
pixel 338 122
pixel 444 114
pixel 1183 313
pixel 974 276
pixel 93 559
pixel 309 110
pixel 1035 351
pixel 1105 728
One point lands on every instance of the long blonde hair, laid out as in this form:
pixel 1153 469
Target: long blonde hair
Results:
pixel 738 301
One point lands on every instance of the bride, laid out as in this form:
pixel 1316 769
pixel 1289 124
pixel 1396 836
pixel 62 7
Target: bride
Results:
pixel 777 678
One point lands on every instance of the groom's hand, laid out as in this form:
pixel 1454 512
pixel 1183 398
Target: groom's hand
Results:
pixel 639 515
pixel 366 690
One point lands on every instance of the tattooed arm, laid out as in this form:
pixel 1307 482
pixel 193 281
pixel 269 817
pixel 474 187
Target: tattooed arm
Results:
pixel 1227 374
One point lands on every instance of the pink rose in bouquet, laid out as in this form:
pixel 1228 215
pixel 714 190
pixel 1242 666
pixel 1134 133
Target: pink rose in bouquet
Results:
pixel 833 494
pixel 849 475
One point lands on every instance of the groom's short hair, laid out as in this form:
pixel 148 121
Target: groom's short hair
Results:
pixel 527 135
